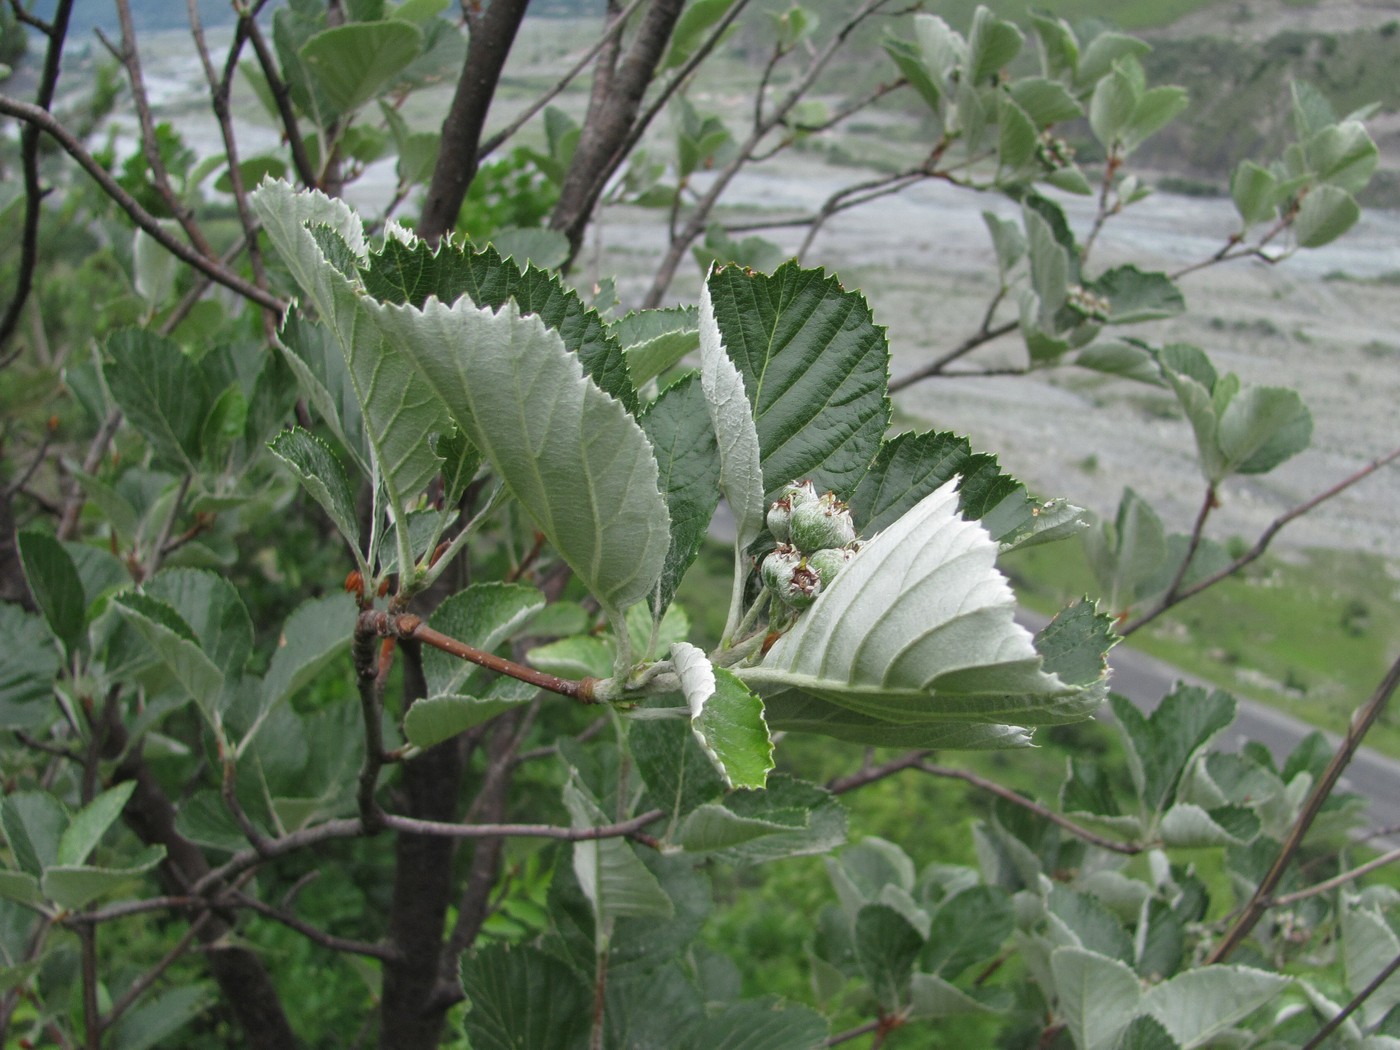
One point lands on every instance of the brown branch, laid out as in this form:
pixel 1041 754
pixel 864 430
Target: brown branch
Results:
pixel 370 684
pixel 409 627
pixel 1262 544
pixel 130 57
pixel 621 829
pixel 870 774
pixel 72 507
pixel 142 984
pixel 219 91
pixel 1361 723
pixel 488 47
pixel 311 933
pixel 985 334
pixel 304 838
pixel 282 98
pixel 1125 848
pixel 46 122
pixel 34 192
pixel 614 29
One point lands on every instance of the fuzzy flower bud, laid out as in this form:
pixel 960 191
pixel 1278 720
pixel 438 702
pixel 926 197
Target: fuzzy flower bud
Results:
pixel 779 514
pixel 828 562
pixel 786 573
pixel 821 524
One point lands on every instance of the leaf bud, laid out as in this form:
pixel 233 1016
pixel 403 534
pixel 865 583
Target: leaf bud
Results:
pixel 821 524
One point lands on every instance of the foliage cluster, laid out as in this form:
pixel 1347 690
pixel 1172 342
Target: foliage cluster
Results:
pixel 513 477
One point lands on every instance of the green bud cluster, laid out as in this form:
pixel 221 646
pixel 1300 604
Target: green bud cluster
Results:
pixel 816 537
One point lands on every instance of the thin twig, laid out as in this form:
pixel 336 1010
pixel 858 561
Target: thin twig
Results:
pixel 1193 543
pixel 1337 881
pixel 142 984
pixel 1126 848
pixel 382 952
pixel 46 122
pixel 1351 1007
pixel 282 98
pixel 984 334
pixel 130 57
pixel 869 774
pixel 1262 544
pixel 72 507
pixel 1361 723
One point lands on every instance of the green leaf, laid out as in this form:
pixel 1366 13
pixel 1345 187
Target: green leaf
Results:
pixel 251 171
pixel 54 583
pixel 1045 101
pixel 1326 213
pixel 412 272
pixel 399 407
pixel 437 718
pixel 1186 825
pixel 932 997
pixel 90 823
pixel 1311 110
pixel 1261 427
pixel 159 1018
pixel 316 633
pixel 1146 1033
pixel 21 888
pixel 1008 240
pixel 968 927
pixel 1097 996
pixel 321 474
pixel 679 775
pixel 212 608
pixel 1254 191
pixel 991 44
pixel 1050 265
pixel 582 656
pixel 1343 155
pixel 154 267
pixel 1090 922
pixel 537 246
pixel 77 886
pixel 1160 744
pixel 763 1024
pixel 1197 1006
pixel 570 453
pixel 713 826
pixel 161 392
pixel 1127 359
pixel 520 997
pixel 1102 52
pixel 793 711
pixel 1134 296
pixel 692 27
pixel 726 718
pixel 611 875
pixel 911 466
pixel 886 947
pixel 803 344
pixel 918 628
pixel 1127 554
pixel 655 340
pixel 175 645
pixel 785 800
pixel 1059 49
pixel 687 453
pixel 353 62
pixel 1157 108
pixel 1111 108
pixel 314 357
pixel 33 822
pixel 1017 139
pixel 1368 947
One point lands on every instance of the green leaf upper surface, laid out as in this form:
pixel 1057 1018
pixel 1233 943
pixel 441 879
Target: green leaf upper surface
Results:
pixel 484 616
pixel 918 628
pixel 352 62
pixel 1160 744
pixel 655 340
pixel 53 581
pixel 687 453
pixel 412 272
pixel 578 463
pixel 90 823
pixel 727 719
pixel 162 393
pixel 321 474
pixel 886 947
pixel 316 633
pixel 609 872
pixel 314 357
pixel 175 644
pixel 29 663
pixel 400 408
pixel 815 368
pixel 521 997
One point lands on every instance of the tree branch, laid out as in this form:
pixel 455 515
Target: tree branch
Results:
pixel 1331 1026
pixel 46 122
pixel 492 34
pixel 34 192
pixel 1361 722
pixel 621 829
pixel 1336 882
pixel 1262 544
pixel 282 98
